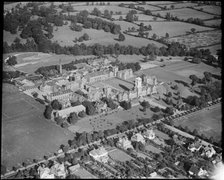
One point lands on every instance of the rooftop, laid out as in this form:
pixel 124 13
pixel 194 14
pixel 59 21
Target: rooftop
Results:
pixel 61 92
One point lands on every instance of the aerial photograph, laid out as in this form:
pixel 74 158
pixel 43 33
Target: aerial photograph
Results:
pixel 112 90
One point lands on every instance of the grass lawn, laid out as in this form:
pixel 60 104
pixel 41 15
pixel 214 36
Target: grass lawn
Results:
pixel 84 174
pixel 186 13
pixel 211 9
pixel 215 22
pixel 161 134
pixel 207 122
pixel 119 155
pixel 152 149
pixel 25 132
pixel 173 28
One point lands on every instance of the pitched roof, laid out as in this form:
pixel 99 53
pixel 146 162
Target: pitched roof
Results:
pixel 69 110
pixel 61 92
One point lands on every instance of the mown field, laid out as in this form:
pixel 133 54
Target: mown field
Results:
pixel 160 2
pixel 211 9
pixel 172 28
pixel 26 134
pixel 207 122
pixel 186 13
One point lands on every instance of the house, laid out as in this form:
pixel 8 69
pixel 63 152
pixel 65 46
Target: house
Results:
pixel 64 113
pixel 149 134
pixel 59 170
pixel 202 172
pixel 124 143
pixel 73 168
pixel 99 154
pixel 138 137
pixel 45 173
pixel 208 151
pixel 196 146
pixel 194 170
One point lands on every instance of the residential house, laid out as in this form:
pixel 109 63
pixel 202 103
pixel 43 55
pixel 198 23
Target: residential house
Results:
pixel 208 151
pixel 64 113
pixel 45 173
pixel 149 134
pixel 99 154
pixel 59 170
pixel 202 172
pixel 196 146
pixel 124 143
pixel 138 137
pixel 194 170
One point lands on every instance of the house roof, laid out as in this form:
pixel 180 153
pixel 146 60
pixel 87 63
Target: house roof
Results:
pixel 69 110
pixel 61 92
pixel 194 169
pixel 97 73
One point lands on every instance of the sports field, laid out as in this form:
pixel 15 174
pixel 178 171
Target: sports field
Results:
pixel 25 132
pixel 207 122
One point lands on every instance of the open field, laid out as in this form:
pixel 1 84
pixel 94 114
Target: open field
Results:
pixel 144 17
pixel 9 38
pixel 213 48
pixel 160 2
pixel 173 28
pixel 216 22
pixel 25 130
pixel 149 7
pixel 207 122
pixel 84 174
pixel 180 5
pixel 211 9
pixel 65 36
pixel 111 120
pixel 113 8
pixel 199 39
pixel 186 13
pixel 119 155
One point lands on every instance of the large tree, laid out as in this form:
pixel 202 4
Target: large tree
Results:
pixel 56 105
pixel 73 118
pixel 48 112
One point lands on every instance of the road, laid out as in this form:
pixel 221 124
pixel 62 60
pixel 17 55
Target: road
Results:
pixel 112 136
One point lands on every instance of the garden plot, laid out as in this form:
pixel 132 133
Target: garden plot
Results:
pixel 119 155
pixel 186 13
pixel 152 149
pixel 173 28
pixel 211 9
pixel 199 39
pixel 84 174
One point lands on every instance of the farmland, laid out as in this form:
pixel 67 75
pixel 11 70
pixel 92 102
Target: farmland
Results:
pixel 179 5
pixel 172 28
pixel 186 13
pixel 207 122
pixel 216 10
pixel 25 130
pixel 199 39
pixel 216 22
pixel 160 2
